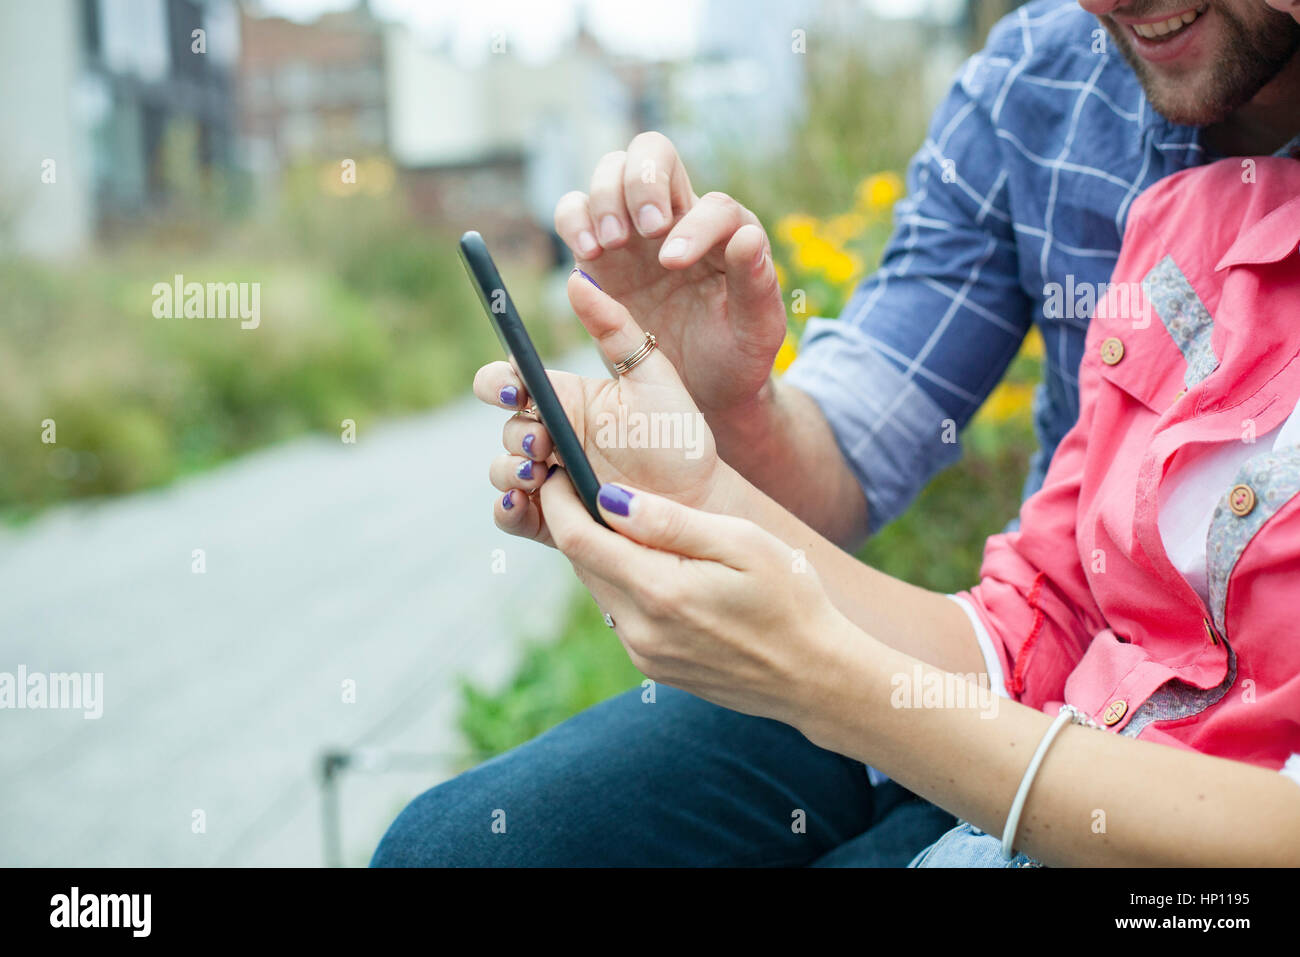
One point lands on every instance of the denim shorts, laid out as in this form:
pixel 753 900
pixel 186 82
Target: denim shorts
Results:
pixel 967 846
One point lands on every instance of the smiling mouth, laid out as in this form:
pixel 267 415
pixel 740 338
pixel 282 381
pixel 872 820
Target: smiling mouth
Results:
pixel 1168 29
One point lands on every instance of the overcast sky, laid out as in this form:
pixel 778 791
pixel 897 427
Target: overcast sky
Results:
pixel 536 28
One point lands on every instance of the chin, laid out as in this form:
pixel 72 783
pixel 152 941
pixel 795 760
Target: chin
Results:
pixel 1246 57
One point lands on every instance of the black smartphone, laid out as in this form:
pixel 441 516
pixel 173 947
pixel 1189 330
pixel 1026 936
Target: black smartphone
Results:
pixel 522 354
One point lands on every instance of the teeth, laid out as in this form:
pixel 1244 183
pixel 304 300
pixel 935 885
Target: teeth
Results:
pixel 1150 31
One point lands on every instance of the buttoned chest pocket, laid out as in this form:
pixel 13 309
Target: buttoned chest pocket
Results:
pixel 1152 338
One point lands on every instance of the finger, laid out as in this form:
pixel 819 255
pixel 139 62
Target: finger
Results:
pixel 514 471
pixel 655 185
pixel 753 287
pixel 711 221
pixel 606 204
pixel 498 384
pixel 590 546
pixel 516 514
pixel 615 331
pixel 526 436
pixel 672 527
pixel 574 225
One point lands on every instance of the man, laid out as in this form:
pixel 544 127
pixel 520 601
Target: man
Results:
pixel 1016 208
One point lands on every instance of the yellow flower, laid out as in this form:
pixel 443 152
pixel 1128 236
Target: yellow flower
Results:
pixel 785 355
pixel 841 268
pixel 880 192
pixel 1033 344
pixel 812 254
pixel 795 228
pixel 1010 400
pixel 846 226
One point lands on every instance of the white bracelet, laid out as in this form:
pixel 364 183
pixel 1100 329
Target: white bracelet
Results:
pixel 1068 715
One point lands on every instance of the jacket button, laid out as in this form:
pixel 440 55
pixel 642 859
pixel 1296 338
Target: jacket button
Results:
pixel 1115 712
pixel 1241 500
pixel 1112 350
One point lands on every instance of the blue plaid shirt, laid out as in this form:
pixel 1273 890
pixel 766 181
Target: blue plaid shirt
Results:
pixel 1024 181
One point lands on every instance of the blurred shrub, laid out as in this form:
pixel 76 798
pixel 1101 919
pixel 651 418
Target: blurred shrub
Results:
pixel 364 313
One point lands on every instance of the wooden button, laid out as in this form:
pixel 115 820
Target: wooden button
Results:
pixel 1241 500
pixel 1115 712
pixel 1112 350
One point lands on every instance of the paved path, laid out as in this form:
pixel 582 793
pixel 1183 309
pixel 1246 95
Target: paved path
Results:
pixel 326 563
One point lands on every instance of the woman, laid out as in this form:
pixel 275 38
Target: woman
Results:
pixel 1137 630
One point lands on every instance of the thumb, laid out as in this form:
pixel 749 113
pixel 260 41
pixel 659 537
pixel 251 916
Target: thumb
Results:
pixel 615 331
pixel 661 523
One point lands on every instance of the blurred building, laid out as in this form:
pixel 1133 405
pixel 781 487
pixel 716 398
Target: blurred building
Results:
pixel 312 91
pixel 492 147
pixel 115 110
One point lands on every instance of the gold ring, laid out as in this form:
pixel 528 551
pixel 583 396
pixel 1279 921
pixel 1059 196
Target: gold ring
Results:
pixel 628 363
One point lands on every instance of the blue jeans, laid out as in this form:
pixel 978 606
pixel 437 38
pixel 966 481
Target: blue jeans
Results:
pixel 677 782
pixel 967 846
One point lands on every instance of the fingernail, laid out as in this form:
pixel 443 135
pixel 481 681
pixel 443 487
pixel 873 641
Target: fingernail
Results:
pixel 611 230
pixel 509 395
pixel 525 470
pixel 615 498
pixel 587 242
pixel 528 444
pixel 585 276
pixel 673 249
pixel 551 471
pixel 649 218
pixel 761 260
pixel 506 503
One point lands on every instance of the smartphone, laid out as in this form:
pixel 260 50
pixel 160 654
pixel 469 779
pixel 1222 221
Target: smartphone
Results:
pixel 522 354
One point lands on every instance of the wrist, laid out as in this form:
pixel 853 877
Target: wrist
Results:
pixel 744 432
pixel 834 691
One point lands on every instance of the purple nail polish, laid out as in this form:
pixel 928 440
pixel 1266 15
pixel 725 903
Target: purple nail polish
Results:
pixel 525 470
pixel 614 498
pixel 586 277
pixel 509 395
pixel 529 439
pixel 506 503
pixel 551 470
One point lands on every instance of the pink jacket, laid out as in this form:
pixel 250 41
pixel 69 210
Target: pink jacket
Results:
pixel 1082 604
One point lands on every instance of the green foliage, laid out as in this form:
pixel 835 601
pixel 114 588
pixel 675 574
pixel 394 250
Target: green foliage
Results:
pixel 557 679
pixel 363 314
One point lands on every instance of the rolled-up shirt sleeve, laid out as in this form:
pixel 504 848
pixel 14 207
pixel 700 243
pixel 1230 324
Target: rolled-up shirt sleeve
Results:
pixel 924 339
pixel 1034 603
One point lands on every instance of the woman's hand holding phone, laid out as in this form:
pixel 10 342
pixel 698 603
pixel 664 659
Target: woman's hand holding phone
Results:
pixel 606 415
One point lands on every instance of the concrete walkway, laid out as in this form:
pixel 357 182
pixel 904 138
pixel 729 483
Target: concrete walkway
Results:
pixel 326 563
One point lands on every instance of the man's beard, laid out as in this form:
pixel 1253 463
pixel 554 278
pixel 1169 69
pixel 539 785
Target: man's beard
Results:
pixel 1254 54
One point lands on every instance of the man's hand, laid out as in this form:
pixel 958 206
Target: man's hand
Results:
pixel 696 271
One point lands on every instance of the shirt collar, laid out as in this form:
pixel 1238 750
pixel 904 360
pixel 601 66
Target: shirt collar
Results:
pixel 1270 240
